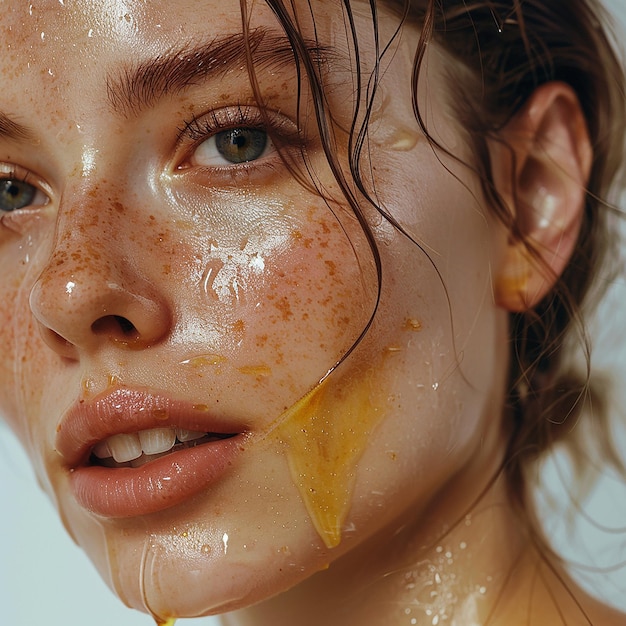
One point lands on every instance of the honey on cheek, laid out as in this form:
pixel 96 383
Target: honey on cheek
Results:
pixel 325 433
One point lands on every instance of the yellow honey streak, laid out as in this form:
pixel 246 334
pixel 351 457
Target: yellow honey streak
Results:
pixel 170 622
pixel 325 433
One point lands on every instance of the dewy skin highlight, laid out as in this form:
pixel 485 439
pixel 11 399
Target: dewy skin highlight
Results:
pixel 265 339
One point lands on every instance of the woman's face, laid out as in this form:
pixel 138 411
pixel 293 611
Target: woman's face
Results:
pixel 168 281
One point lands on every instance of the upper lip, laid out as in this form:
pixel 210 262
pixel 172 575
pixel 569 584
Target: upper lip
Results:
pixel 127 410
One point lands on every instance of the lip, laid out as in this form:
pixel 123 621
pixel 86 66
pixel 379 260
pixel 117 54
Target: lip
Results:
pixel 160 484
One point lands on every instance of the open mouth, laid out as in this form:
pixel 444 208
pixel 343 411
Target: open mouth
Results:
pixel 137 449
pixel 132 452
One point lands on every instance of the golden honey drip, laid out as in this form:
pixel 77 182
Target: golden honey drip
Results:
pixel 326 432
pixel 170 622
pixel 255 370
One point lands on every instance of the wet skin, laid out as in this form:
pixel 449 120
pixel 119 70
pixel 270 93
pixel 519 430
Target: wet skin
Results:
pixel 146 266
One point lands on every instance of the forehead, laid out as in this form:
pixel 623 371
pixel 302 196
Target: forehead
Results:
pixel 56 30
pixel 70 49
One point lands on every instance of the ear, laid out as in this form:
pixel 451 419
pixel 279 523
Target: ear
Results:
pixel 541 169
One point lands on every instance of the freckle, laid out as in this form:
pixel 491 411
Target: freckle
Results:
pixel 332 268
pixel 412 324
pixel 119 207
pixel 239 326
pixel 285 309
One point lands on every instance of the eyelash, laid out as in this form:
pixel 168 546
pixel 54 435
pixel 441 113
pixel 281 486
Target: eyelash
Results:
pixel 281 131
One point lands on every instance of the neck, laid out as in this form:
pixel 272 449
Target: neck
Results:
pixel 484 569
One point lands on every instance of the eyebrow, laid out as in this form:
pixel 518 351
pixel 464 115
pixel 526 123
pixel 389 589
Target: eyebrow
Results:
pixel 10 129
pixel 140 86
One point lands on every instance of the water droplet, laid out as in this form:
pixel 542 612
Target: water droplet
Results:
pixel 255 370
pixel 403 140
pixel 160 414
pixel 412 324
pixel 211 271
pixel 203 360
pixel 113 380
pixel 206 549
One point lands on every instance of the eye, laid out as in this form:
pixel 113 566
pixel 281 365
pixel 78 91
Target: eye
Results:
pixel 235 145
pixel 17 194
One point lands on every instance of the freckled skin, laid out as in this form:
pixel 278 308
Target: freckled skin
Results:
pixel 130 232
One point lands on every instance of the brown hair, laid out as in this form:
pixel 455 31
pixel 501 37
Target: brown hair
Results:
pixel 504 50
pixel 511 48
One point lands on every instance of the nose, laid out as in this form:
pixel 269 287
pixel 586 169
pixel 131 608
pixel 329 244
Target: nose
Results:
pixel 93 292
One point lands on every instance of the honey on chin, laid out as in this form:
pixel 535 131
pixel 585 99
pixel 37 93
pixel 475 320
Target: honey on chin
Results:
pixel 325 433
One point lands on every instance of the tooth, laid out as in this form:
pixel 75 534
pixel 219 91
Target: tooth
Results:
pixel 157 440
pixel 188 435
pixel 102 450
pixel 124 447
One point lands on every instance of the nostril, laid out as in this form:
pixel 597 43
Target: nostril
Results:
pixel 116 327
pixel 126 325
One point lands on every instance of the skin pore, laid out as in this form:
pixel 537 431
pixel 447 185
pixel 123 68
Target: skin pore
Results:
pixel 151 282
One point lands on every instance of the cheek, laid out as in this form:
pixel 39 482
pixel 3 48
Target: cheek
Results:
pixel 316 300
pixel 270 308
pixel 29 398
pixel 20 343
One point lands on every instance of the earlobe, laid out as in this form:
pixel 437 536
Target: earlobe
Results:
pixel 541 169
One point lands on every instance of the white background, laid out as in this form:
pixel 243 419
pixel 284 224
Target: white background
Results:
pixel 45 579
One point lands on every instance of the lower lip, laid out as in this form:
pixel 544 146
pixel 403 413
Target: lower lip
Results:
pixel 157 485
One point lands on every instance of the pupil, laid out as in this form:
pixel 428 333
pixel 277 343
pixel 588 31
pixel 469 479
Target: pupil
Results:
pixel 240 145
pixel 15 195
